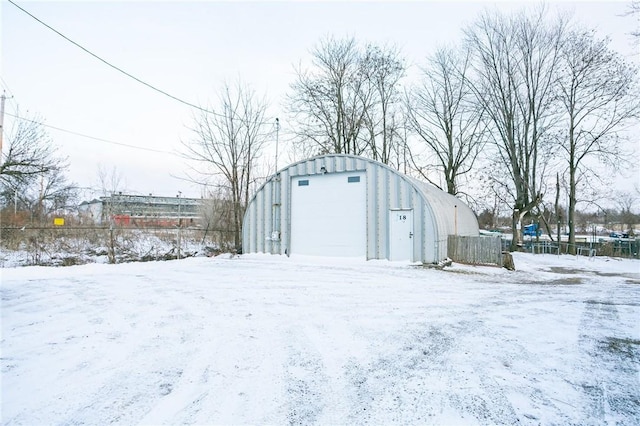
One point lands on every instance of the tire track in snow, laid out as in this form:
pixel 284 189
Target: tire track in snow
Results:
pixel 323 351
pixel 238 355
pixel 516 384
pixel 468 389
pixel 408 379
pixel 605 400
pixel 182 399
pixel 305 383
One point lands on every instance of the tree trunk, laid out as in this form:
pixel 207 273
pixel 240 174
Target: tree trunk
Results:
pixel 557 207
pixel 571 247
pixel 111 250
pixel 516 218
pixel 516 230
pixel 507 261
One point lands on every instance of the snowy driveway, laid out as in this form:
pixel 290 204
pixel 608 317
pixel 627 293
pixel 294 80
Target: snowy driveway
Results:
pixel 270 340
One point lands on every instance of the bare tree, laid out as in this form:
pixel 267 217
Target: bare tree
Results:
pixel 38 196
pixel 515 59
pixel 227 144
pixel 217 214
pixel 110 183
pixel 400 156
pixel 626 202
pixel 32 173
pixel 329 101
pixel 110 180
pixel 382 69
pixel 442 112
pixel 634 11
pixel 30 152
pixel 348 101
pixel 598 92
pixel 48 193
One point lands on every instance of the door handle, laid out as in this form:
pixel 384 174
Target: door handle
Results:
pixel 410 234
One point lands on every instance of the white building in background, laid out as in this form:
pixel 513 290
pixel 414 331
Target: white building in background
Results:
pixel 142 210
pixel 90 212
pixel 349 206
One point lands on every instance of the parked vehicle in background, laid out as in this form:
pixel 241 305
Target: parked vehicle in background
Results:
pixel 532 230
pixel 619 235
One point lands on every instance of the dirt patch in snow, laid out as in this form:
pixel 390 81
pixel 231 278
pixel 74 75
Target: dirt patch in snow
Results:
pixel 633 278
pixel 463 272
pixel 625 348
pixel 566 270
pixel 563 281
pixel 597 302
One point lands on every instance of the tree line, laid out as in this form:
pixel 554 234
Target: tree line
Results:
pixel 32 174
pixel 524 106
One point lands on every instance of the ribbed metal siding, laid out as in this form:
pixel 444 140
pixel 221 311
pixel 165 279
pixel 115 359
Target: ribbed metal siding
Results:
pixel 374 216
pixel 285 213
pixel 386 190
pixel 391 191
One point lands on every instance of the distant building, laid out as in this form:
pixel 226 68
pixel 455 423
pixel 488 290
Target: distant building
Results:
pixel 143 210
pixel 90 211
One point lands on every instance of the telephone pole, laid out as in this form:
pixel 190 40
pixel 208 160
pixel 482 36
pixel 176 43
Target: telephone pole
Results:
pixel 277 132
pixel 179 225
pixel 2 99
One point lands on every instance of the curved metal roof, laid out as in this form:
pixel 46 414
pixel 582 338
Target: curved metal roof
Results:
pixel 438 213
pixel 454 216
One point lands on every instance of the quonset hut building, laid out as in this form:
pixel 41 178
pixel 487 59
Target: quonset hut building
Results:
pixel 349 206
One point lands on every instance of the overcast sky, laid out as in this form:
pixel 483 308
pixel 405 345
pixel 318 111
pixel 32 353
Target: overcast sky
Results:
pixel 188 49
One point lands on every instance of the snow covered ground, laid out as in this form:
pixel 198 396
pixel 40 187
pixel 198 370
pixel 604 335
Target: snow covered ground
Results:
pixel 260 339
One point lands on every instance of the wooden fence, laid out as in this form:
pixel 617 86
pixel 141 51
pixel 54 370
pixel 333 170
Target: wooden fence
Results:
pixel 481 250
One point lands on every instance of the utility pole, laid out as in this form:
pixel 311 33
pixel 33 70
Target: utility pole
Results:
pixel 2 99
pixel 277 134
pixel 558 218
pixel 179 224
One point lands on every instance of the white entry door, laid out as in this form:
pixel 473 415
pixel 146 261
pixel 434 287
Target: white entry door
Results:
pixel 328 215
pixel 401 235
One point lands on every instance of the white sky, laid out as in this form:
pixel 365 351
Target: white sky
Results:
pixel 188 49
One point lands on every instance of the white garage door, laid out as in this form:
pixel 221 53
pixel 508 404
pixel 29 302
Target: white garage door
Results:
pixel 328 215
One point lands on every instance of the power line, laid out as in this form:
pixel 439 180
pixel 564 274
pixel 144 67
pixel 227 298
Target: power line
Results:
pixel 109 64
pixel 92 137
